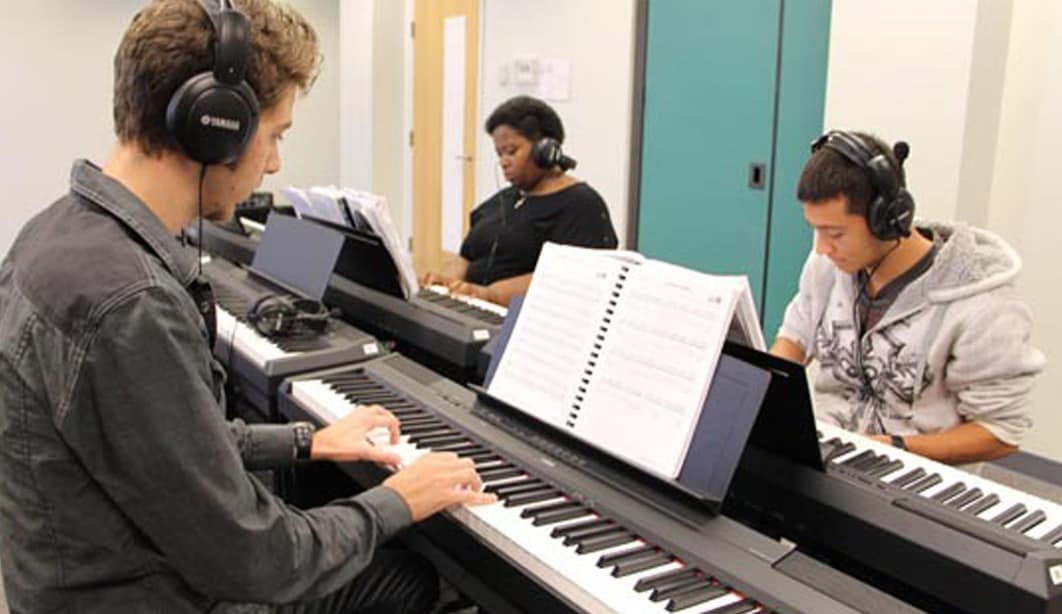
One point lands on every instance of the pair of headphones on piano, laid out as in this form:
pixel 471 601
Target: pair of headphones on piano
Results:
pixel 214 114
pixel 276 316
pixel 890 212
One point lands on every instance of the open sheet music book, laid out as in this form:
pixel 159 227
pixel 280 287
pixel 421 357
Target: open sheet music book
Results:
pixel 620 351
pixel 359 210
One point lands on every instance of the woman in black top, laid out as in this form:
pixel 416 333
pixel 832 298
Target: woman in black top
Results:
pixel 543 203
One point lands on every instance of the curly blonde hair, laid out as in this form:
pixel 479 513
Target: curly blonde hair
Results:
pixel 169 41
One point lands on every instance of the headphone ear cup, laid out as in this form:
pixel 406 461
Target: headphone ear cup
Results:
pixel 212 122
pixel 546 153
pixel 311 315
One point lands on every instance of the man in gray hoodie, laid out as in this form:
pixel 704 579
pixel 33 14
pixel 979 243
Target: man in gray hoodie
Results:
pixel 921 339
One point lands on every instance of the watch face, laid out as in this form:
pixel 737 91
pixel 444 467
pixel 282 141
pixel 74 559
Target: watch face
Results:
pixel 303 440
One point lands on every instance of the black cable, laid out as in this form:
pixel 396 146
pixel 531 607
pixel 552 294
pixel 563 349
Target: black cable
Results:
pixel 199 243
pixel 858 328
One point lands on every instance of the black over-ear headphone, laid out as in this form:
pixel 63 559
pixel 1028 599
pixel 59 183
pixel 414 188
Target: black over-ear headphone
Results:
pixel 213 115
pixel 546 153
pixel 891 210
pixel 276 316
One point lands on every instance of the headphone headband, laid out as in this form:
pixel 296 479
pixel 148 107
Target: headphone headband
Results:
pixel 890 211
pixel 214 114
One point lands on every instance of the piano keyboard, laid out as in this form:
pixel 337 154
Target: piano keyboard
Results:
pixel 594 559
pixel 1018 512
pixel 234 334
pixel 477 308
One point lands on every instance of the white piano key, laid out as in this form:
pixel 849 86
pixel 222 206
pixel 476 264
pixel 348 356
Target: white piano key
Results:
pixel 476 302
pixel 319 399
pixel 949 475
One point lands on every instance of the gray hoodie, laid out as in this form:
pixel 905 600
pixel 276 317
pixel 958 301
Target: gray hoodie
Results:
pixel 953 347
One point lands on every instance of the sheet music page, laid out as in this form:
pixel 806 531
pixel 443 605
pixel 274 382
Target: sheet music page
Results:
pixel 652 374
pixel 375 209
pixel 544 360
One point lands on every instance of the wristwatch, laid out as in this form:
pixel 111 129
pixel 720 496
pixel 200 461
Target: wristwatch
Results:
pixel 898 441
pixel 303 443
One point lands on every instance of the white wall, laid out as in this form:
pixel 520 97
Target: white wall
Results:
pixel 597 36
pixel 1024 204
pixel 56 57
pixel 901 70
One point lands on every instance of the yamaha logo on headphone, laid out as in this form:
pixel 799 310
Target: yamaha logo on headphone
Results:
pixel 224 123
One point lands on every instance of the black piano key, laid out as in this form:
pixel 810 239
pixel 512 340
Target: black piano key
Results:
pixel 838 452
pixel 422 429
pixel 694 596
pixel 630 554
pixel 415 417
pixel 546 508
pixel 949 492
pixel 1029 521
pixel 1052 536
pixel 498 487
pixel 965 498
pixel 549 518
pixel 738 607
pixel 869 463
pixel 568 529
pixel 859 458
pixel 426 440
pixel 456 447
pixel 982 504
pixel 601 542
pixel 481 458
pixel 908 477
pixel 627 568
pixel 593 532
pixel 885 469
pixel 525 498
pixel 676 588
pixel 501 472
pixel 1009 514
pixel 667 578
pixel 930 480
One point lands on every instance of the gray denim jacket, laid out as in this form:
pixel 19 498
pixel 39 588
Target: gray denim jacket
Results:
pixel 122 487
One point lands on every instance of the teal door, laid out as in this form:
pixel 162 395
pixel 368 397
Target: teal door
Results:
pixel 731 86
pixel 708 118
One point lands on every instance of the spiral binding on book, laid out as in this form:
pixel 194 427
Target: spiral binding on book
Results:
pixel 599 339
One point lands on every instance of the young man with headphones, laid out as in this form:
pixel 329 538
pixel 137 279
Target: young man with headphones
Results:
pixel 921 340
pixel 542 203
pixel 122 487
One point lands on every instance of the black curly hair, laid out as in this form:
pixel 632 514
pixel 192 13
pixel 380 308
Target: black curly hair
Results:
pixel 529 116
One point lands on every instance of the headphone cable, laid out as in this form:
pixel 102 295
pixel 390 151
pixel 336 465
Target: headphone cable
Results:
pixel 858 329
pixel 199 209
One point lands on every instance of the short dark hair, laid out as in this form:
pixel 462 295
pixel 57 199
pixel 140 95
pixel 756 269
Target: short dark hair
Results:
pixel 828 174
pixel 169 41
pixel 529 116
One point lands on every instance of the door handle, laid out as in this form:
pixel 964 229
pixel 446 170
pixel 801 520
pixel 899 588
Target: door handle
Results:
pixel 757 175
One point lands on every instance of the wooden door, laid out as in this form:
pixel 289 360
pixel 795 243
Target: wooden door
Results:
pixel 445 92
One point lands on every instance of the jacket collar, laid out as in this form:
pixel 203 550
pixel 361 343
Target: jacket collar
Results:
pixel 87 180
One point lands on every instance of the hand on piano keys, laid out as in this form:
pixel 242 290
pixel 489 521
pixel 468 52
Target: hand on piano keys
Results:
pixel 347 439
pixel 436 481
pixel 466 293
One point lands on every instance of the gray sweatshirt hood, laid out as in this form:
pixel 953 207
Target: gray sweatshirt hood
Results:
pixel 969 261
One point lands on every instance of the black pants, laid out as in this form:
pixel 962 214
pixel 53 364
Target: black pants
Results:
pixel 396 582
